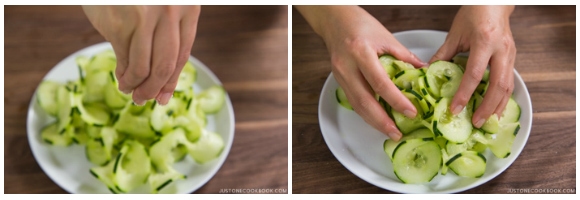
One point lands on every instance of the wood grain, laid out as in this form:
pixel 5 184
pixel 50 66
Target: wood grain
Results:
pixel 545 38
pixel 245 46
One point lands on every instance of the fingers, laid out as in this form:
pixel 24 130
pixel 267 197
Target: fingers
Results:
pixel 163 60
pixel 360 95
pixel 499 90
pixel 476 65
pixel 139 60
pixel 188 28
pixel 381 84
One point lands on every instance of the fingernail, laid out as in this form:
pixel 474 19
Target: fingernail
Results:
pixel 395 136
pixel 125 91
pixel 139 102
pixel 457 110
pixel 163 98
pixel 409 114
pixel 479 123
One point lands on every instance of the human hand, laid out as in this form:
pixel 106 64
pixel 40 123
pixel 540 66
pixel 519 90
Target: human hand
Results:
pixel 355 40
pixel 151 43
pixel 485 32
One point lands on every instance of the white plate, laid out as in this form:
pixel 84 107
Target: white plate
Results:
pixel 359 147
pixel 68 166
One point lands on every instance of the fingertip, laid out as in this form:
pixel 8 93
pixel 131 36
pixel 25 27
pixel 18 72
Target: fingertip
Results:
pixel 456 107
pixel 478 122
pixel 163 98
pixel 410 113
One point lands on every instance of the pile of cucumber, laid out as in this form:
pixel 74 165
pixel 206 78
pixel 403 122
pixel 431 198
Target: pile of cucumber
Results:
pixel 436 140
pixel 130 145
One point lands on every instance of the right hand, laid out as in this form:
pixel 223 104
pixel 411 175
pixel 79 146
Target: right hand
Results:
pixel 355 41
pixel 151 43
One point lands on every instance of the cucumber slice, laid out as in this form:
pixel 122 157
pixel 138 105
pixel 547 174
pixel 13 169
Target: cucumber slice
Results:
pixel 92 113
pixel 95 83
pixel 195 113
pixel 417 160
pixel 208 147
pixel 105 174
pixel 455 128
pixel 387 63
pixel 212 99
pixel 445 158
pixel 192 127
pixel 491 125
pixel 443 78
pixel 160 152
pixel 511 113
pixel 468 164
pixel 405 124
pixel 407 79
pixel 46 96
pixel 402 65
pixel 158 181
pixel 460 60
pixel 79 135
pixel 134 166
pixel 390 145
pixel 481 88
pixel 186 78
pixel 52 136
pixel 485 77
pixel 96 151
pixel 500 143
pixel 477 100
pixel 99 150
pixel 64 99
pixel 478 147
pixel 82 62
pixel 113 97
pixel 162 117
pixel 341 98
pixel 137 125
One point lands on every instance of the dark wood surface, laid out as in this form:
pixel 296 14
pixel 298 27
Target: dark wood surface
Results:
pixel 545 37
pixel 245 46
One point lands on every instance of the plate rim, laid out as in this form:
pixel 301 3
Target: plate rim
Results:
pixel 334 148
pixel 30 131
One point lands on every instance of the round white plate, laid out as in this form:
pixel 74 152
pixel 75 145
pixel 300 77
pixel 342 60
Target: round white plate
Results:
pixel 68 166
pixel 359 147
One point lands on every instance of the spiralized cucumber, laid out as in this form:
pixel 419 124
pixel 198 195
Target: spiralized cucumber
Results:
pixel 452 138
pixel 130 145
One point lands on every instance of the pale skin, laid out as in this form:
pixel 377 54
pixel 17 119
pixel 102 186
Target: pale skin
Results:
pixel 355 40
pixel 151 43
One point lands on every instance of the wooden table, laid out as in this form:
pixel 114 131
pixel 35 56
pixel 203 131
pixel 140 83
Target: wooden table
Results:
pixel 545 40
pixel 245 46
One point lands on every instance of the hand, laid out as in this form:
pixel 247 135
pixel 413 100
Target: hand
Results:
pixel 485 32
pixel 355 40
pixel 152 44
